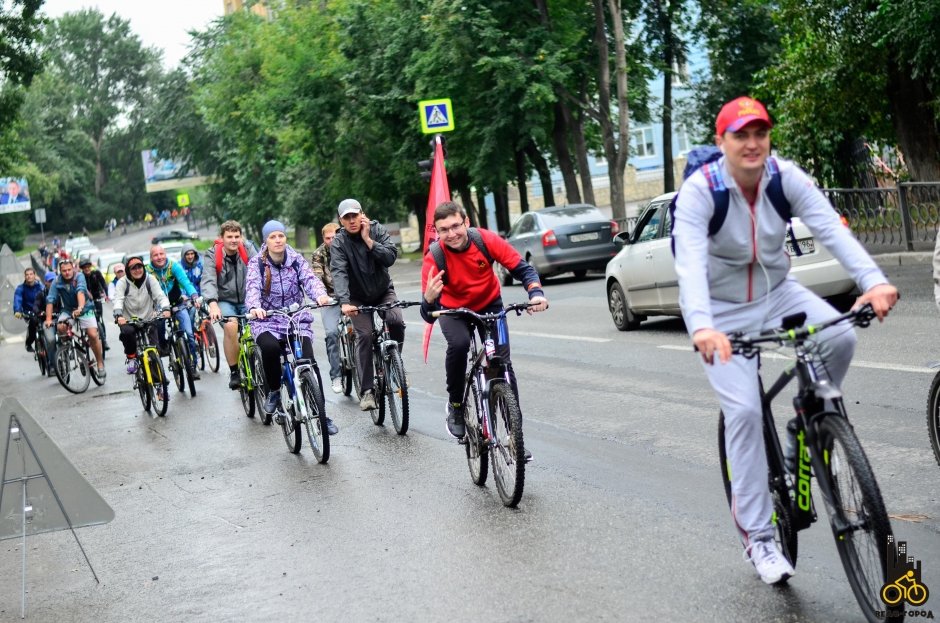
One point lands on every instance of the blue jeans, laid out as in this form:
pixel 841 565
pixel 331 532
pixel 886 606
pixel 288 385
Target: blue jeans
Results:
pixel 330 316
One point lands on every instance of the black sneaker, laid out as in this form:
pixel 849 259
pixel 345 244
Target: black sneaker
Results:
pixel 234 379
pixel 29 348
pixel 331 427
pixel 455 423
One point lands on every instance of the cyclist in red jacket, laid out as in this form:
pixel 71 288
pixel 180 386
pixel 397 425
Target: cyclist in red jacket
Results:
pixel 467 280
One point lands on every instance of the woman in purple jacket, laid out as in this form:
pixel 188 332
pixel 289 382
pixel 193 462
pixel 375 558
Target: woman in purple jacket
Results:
pixel 279 277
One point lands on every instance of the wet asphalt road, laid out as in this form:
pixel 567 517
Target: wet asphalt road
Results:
pixel 623 517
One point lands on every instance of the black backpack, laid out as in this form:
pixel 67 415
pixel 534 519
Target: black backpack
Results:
pixel 438 253
pixel 706 159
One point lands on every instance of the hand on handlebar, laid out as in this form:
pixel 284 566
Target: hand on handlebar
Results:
pixel 215 312
pixel 121 320
pixel 710 342
pixel 258 313
pixel 537 304
pixel 882 297
pixel 325 299
pixel 349 310
pixel 166 313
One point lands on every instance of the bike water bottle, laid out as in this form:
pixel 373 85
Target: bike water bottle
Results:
pixel 789 454
pixel 502 332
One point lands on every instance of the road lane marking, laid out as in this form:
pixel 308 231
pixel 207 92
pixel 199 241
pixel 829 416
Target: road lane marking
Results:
pixel 895 367
pixel 576 338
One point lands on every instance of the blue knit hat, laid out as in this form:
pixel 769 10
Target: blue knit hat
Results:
pixel 272 226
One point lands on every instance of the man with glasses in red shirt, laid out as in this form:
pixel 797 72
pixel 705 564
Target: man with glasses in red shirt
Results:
pixel 468 280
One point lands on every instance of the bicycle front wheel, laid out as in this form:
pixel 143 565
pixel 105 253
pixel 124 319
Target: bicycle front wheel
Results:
pixel 189 367
pixel 314 417
pixel 71 368
pixel 143 388
pixel 290 427
pixel 378 389
pixel 41 353
pixel 259 391
pixel 396 389
pixel 178 362
pixel 857 513
pixel 933 416
pixel 211 352
pixel 508 453
pixel 159 385
pixel 784 533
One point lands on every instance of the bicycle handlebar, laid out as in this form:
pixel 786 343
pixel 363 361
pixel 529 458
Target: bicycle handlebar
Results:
pixel 792 331
pixel 464 311
pixel 386 306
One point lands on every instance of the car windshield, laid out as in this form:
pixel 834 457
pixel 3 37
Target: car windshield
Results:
pixel 572 214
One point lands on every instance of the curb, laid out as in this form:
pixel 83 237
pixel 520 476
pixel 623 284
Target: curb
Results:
pixel 904 258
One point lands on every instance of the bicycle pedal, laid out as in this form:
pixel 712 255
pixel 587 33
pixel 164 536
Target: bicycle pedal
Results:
pixel 462 441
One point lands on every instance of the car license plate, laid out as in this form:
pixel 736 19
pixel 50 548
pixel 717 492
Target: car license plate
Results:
pixel 593 235
pixel 807 245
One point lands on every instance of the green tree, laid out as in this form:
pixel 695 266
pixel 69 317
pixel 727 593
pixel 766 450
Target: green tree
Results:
pixel 19 62
pixel 847 71
pixel 738 51
pixel 107 70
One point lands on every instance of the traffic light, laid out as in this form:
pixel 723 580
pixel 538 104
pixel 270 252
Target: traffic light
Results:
pixel 426 166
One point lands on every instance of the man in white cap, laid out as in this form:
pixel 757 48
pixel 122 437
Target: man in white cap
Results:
pixel 361 255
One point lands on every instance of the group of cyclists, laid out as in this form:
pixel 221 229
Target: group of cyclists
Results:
pixel 732 278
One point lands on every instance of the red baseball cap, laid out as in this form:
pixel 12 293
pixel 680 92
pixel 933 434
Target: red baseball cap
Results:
pixel 738 113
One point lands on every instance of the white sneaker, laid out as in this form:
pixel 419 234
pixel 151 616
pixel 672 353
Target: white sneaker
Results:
pixel 337 385
pixel 771 565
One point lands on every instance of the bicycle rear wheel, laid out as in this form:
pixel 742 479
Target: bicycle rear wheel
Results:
pixel 933 416
pixel 71 368
pixel 159 386
pixel 396 388
pixel 211 352
pixel 857 514
pixel 508 453
pixel 314 417
pixel 476 447
pixel 785 534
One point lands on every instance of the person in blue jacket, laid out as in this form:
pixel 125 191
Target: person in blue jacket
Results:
pixel 177 286
pixel 24 304
pixel 70 294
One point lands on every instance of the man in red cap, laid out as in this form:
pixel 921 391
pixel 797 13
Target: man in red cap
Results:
pixel 735 277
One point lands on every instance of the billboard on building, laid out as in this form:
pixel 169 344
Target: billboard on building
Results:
pixel 163 174
pixel 14 195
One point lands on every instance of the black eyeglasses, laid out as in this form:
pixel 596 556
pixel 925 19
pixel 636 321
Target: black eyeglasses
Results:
pixel 135 267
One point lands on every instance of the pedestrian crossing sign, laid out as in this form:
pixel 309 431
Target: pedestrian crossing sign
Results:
pixel 182 200
pixel 436 116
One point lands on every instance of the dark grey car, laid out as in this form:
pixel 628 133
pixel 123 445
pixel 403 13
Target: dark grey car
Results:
pixel 573 238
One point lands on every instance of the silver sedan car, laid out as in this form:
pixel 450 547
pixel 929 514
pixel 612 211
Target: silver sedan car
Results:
pixel 573 238
pixel 641 279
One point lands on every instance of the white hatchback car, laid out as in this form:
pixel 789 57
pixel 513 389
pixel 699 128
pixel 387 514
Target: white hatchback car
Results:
pixel 641 279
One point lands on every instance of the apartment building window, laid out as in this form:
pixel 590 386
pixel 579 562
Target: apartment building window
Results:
pixel 682 139
pixel 641 143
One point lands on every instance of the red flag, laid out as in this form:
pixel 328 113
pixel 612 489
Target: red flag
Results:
pixel 440 192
